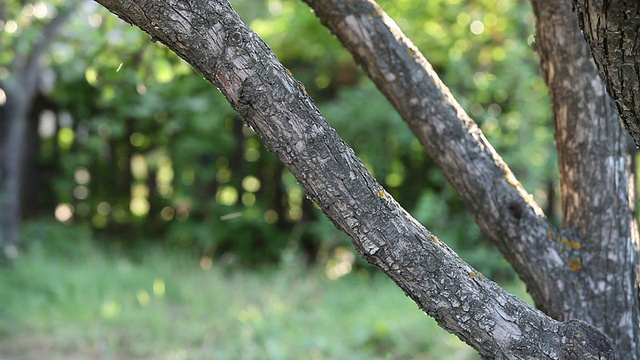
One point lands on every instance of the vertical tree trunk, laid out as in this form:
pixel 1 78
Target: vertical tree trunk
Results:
pixel 17 110
pixel 20 90
pixel 596 200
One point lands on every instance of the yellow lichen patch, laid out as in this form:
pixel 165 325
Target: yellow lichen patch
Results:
pixel 472 274
pixel 576 245
pixel 239 50
pixel 550 235
pixel 381 193
pixel 379 11
pixel 566 243
pixel 411 52
pixel 435 239
pixel 480 276
pixel 304 90
pixel 575 264
pixel 288 71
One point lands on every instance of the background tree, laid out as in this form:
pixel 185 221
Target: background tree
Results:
pixel 380 229
pixel 19 91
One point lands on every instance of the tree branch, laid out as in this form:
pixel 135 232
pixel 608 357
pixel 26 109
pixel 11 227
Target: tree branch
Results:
pixel 611 30
pixel 212 38
pixel 507 215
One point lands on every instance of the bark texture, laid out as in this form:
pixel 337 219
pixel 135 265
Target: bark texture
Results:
pixel 595 174
pixel 612 30
pixel 211 37
pixel 594 186
pixel 507 215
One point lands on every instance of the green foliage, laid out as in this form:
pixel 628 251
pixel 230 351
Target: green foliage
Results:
pixel 143 148
pixel 102 304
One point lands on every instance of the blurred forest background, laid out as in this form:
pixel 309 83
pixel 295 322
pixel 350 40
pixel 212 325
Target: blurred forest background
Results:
pixel 143 188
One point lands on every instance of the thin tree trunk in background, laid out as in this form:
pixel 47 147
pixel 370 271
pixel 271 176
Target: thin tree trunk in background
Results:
pixel 596 200
pixel 17 110
pixel 611 30
pixel 34 203
pixel 213 39
pixel 20 91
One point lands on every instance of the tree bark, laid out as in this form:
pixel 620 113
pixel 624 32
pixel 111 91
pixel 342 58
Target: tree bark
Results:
pixel 594 186
pixel 507 215
pixel 20 90
pixel 367 36
pixel 611 28
pixel 212 38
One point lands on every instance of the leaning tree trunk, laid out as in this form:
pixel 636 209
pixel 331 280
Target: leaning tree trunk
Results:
pixel 212 38
pixel 611 29
pixel 596 200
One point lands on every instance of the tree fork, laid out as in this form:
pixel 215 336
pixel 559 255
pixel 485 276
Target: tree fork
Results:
pixel 596 197
pixel 213 39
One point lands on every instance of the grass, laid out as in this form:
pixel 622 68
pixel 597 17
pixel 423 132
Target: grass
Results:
pixel 76 301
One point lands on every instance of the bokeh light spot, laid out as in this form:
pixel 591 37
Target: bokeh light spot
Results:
pixel 477 27
pixel 64 213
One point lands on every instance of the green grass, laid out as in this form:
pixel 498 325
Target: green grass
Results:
pixel 76 301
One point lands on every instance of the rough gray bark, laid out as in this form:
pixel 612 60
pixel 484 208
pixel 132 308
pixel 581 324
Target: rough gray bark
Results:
pixel 20 90
pixel 594 186
pixel 212 38
pixel 507 215
pixel 612 30
pixel 368 36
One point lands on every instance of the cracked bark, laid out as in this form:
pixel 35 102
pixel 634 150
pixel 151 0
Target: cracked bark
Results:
pixel 611 28
pixel 507 215
pixel 595 174
pixel 212 38
pixel 596 198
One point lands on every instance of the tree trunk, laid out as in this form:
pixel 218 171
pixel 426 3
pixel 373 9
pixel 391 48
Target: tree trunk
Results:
pixel 611 30
pixel 593 185
pixel 20 90
pixel 13 157
pixel 213 39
